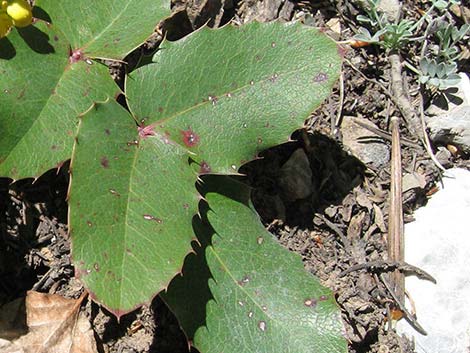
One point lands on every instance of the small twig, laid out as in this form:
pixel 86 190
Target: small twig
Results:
pixel 387 266
pixel 386 135
pixel 339 114
pixel 408 317
pixel 427 142
pixel 374 81
pixel 334 228
pixel 402 101
pixel 395 227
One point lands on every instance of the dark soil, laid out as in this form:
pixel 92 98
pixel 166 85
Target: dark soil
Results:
pixel 339 223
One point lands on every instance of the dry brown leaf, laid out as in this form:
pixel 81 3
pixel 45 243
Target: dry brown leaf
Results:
pixel 362 199
pixel 12 319
pixel 55 326
pixel 379 219
pixel 355 226
pixel 413 181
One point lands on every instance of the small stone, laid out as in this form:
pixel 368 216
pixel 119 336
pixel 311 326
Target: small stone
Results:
pixel 363 143
pixel 295 178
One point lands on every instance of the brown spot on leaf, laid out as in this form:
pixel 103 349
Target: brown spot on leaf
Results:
pixel 205 168
pixel 107 132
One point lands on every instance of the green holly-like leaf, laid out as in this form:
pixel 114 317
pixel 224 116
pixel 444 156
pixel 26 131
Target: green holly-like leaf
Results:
pixel 131 206
pixel 42 92
pixel 243 292
pixel 106 28
pixel 239 90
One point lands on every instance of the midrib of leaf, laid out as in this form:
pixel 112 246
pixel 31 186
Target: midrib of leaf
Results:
pixel 133 169
pixel 26 132
pixel 227 270
pixel 222 96
pixel 95 38
pixel 123 256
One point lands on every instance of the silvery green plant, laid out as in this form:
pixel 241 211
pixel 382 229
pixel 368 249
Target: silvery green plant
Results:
pixel 388 34
pixel 438 68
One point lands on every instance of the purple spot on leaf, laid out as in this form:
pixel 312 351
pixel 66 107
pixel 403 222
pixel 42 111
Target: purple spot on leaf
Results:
pixel 190 138
pixel 146 131
pixel 75 56
pixel 205 168
pixel 104 162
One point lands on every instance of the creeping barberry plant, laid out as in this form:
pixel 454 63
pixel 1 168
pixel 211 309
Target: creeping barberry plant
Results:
pixel 137 203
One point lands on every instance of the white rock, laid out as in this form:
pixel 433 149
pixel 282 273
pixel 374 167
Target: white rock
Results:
pixel 452 125
pixel 439 243
pixel 452 128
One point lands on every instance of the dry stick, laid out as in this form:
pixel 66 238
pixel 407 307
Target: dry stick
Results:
pixel 387 266
pixel 408 317
pixel 401 99
pixel 395 228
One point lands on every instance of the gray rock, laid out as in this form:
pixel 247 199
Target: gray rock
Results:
pixel 391 8
pixel 295 179
pixel 363 143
